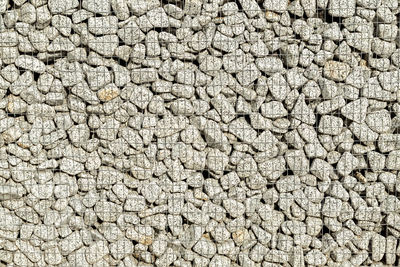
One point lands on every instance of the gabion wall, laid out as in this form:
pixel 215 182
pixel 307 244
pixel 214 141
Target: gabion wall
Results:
pixel 199 133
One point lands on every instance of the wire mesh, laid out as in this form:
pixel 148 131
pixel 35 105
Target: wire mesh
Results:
pixel 199 133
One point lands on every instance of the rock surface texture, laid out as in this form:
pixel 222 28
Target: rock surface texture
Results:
pixel 255 133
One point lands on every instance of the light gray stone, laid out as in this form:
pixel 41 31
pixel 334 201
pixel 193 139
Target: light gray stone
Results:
pixel 104 45
pixel 269 64
pixel 158 18
pixel 379 121
pixel 103 25
pixel 302 111
pixel 102 7
pixel 30 63
pixel 109 129
pixel 331 207
pixel 331 125
pixel 340 8
pixel 392 160
pixel 279 6
pixel 273 110
pixel 224 43
pixel 278 87
pixel 346 164
pixel 297 162
pixel 356 110
pixel 336 71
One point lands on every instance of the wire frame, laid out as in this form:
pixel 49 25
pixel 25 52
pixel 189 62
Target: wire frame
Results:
pixel 199 133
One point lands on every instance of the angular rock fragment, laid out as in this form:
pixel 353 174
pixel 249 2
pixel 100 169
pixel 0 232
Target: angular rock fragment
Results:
pixel 346 164
pixel 104 45
pixel 302 111
pixel 242 130
pixel 224 43
pixel 103 25
pixel 30 63
pixel 331 125
pixel 356 110
pixel 336 71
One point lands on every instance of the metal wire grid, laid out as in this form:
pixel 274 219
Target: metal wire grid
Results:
pixel 29 216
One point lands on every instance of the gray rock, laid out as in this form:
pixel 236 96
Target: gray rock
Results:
pixel 331 207
pixel 302 111
pixel 269 64
pixel 340 8
pixel 219 260
pixel 272 168
pixel 297 162
pixel 346 164
pixel 145 75
pixel 205 248
pixel 321 169
pixel 96 251
pixel 104 45
pixel 224 108
pixel 356 110
pixel 103 25
pixel 392 160
pixel 71 74
pixel 107 211
pixel 291 55
pixel 158 17
pixel 62 23
pixel 71 243
pixel 250 7
pixel 378 244
pixel 259 49
pixel 183 128
pixel 278 87
pixel 182 90
pixel 265 141
pixel 279 6
pixel 241 129
pixel 234 208
pixel 331 125
pixel 363 132
pixel 248 75
pixel 30 63
pixel 141 97
pixel 30 251
pixel 384 14
pixel 79 134
pixel 109 129
pixel 379 121
pixel 71 167
pixel 102 7
pixel 185 76
pixel 315 257
pixel 135 203
pixel 373 90
pixel 224 43
pixel 376 161
pixel 217 161
pixel 130 33
pixel 389 80
pixel 382 48
pixel 391 243
pixel 273 110
pixel 62 44
pixel 192 7
pixel 56 7
pixel 336 71
pixel 387 32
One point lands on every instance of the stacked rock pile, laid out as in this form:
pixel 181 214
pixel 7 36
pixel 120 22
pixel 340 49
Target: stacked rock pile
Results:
pixel 199 133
